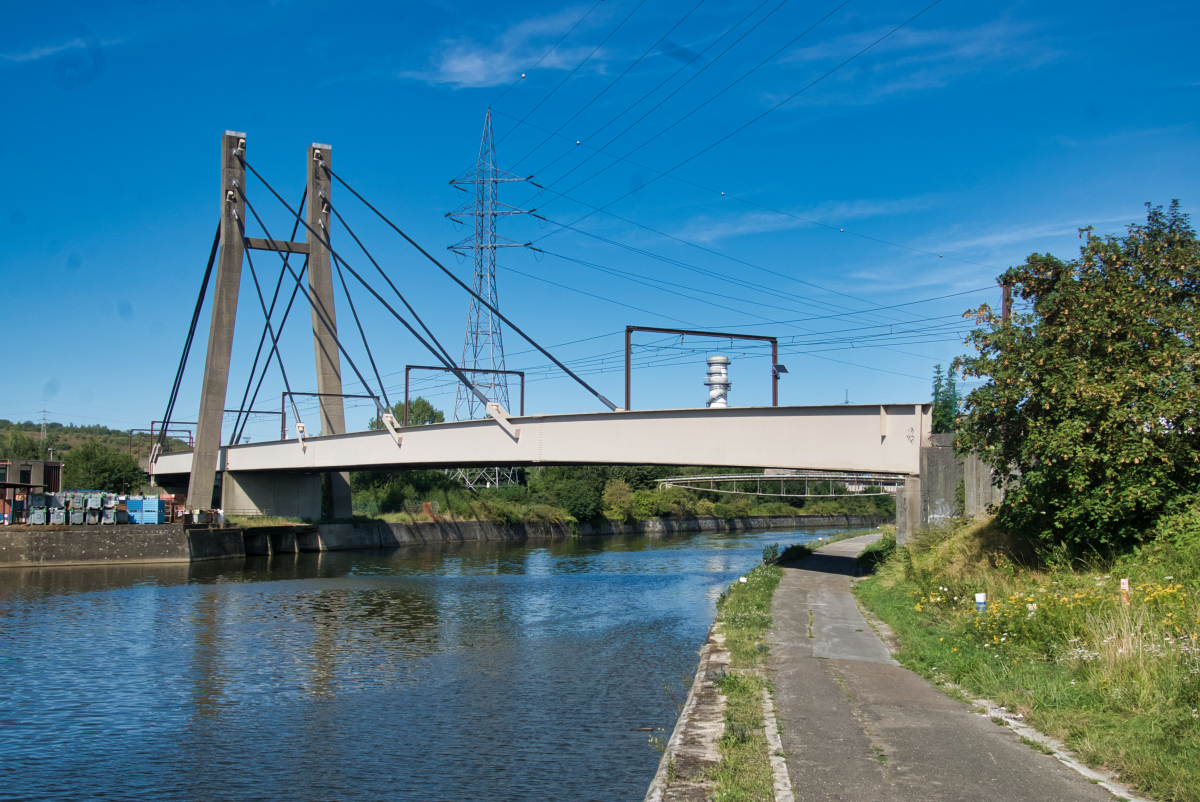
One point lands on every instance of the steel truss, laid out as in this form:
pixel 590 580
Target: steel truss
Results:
pixel 852 483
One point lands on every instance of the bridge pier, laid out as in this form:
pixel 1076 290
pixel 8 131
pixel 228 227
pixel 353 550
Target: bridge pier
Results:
pixel 288 495
pixel 908 509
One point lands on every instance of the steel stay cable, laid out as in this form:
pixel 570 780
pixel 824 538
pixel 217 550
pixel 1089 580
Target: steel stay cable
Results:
pixel 270 354
pixel 363 335
pixel 238 427
pixel 388 279
pixel 746 125
pixel 187 343
pixel 325 241
pixel 262 303
pixel 476 295
pixel 311 301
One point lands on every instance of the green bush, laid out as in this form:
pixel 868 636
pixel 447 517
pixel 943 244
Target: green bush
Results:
pixel 645 504
pixel 618 500
pixel 95 466
pixel 1089 406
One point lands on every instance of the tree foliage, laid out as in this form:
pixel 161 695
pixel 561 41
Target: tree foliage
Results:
pixel 95 466
pixel 946 401
pixel 18 445
pixel 1090 405
pixel 421 413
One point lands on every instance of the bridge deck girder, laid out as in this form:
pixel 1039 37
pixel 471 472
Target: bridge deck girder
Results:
pixel 858 438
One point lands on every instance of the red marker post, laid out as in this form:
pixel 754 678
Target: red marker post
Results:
pixel 1125 591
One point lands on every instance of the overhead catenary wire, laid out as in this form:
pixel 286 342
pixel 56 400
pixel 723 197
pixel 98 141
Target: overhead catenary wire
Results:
pixel 841 229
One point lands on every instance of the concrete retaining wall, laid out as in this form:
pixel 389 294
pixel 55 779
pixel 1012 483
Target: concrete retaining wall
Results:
pixel 337 537
pixel 97 545
pixel 90 545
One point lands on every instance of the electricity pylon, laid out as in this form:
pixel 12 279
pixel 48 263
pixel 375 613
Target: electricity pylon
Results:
pixel 483 345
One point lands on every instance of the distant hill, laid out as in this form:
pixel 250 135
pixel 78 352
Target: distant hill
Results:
pixel 63 437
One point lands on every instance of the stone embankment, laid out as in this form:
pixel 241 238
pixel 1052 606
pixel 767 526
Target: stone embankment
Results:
pixel 92 545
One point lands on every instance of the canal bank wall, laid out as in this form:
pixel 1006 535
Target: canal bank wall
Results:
pixel 25 546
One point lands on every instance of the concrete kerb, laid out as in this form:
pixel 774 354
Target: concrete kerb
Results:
pixel 701 722
pixel 783 782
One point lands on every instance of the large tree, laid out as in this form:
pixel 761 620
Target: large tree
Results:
pixel 421 413
pixel 1090 404
pixel 96 466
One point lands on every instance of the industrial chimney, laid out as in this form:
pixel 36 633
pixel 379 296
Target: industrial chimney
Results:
pixel 718 381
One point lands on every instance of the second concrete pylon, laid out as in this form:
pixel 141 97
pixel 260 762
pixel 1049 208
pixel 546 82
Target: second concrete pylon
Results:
pixel 320 285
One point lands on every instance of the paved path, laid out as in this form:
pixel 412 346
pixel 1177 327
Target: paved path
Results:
pixel 859 727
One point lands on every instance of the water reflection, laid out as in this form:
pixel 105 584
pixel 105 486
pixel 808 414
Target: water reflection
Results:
pixel 458 671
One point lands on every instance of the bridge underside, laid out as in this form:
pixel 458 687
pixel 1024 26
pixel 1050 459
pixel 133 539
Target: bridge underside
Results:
pixel 880 439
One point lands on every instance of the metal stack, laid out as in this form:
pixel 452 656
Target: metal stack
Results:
pixel 718 381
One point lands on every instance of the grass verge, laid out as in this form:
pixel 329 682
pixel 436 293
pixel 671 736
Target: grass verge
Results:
pixel 1118 683
pixel 743 617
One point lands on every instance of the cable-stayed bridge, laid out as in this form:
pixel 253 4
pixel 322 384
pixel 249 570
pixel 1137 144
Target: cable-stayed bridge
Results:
pixel 284 477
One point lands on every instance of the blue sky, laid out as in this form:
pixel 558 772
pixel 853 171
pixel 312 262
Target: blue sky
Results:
pixel 921 168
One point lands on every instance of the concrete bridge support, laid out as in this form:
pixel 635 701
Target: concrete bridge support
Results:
pixel 908 509
pixel 320 287
pixel 288 495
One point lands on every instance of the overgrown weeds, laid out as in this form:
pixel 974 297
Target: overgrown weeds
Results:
pixel 1116 676
pixel 744 617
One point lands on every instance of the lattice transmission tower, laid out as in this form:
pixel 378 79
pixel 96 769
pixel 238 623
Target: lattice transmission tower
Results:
pixel 483 344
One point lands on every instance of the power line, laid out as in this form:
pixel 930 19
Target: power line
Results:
pixel 579 65
pixel 758 117
pixel 608 86
pixel 741 78
pixel 554 47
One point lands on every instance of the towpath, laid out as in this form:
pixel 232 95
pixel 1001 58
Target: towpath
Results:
pixel 859 727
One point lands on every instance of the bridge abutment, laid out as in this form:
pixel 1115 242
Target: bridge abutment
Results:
pixel 288 495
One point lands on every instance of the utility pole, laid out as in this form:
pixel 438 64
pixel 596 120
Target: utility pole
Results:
pixel 1005 302
pixel 320 285
pixel 220 331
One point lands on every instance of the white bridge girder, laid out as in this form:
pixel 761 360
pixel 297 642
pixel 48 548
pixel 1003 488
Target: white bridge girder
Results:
pixel 885 439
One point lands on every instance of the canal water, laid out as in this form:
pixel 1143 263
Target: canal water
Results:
pixel 480 671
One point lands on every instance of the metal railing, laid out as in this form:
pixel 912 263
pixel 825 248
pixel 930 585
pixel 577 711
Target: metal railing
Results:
pixel 852 483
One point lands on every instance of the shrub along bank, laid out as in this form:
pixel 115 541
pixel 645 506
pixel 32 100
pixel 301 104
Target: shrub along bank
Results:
pixel 581 493
pixel 1117 681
